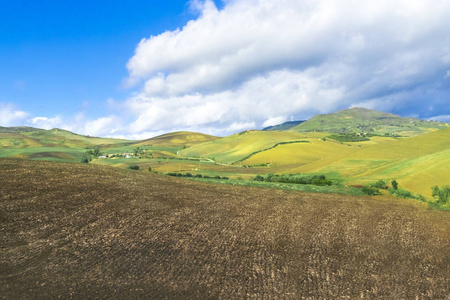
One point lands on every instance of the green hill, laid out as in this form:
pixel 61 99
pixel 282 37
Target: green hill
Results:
pixel 364 120
pixel 178 139
pixel 235 147
pixel 54 144
pixel 284 126
pixel 417 163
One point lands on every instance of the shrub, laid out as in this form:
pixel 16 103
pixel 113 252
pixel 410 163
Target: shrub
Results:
pixel 133 167
pixel 394 184
pixel 149 169
pixel 198 176
pixel 258 178
pixel 188 175
pixel 86 159
pixel 442 195
pixel 380 184
pixel 401 193
pixel 371 191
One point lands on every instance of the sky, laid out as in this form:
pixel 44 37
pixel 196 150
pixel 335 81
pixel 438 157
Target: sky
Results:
pixel 136 69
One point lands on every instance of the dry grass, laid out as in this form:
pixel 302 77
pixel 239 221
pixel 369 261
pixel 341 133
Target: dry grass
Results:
pixel 86 231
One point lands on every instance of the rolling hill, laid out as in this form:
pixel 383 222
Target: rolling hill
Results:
pixel 54 144
pixel 417 163
pixel 235 147
pixel 178 139
pixel 283 126
pixel 364 120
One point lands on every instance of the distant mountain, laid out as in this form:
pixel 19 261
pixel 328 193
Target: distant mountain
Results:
pixel 365 120
pixel 284 126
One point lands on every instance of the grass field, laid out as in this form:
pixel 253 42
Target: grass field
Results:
pixel 417 163
pixel 178 139
pixel 237 146
pixel 88 231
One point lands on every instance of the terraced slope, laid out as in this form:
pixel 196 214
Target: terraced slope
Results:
pixel 368 121
pixel 84 231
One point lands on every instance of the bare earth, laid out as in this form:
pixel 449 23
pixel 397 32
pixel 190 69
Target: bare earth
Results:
pixel 85 231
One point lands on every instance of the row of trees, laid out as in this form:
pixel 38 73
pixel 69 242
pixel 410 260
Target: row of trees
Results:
pixel 294 178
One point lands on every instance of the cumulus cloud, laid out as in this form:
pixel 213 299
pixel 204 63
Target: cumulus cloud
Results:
pixel 254 62
pixel 105 126
pixel 46 123
pixel 10 116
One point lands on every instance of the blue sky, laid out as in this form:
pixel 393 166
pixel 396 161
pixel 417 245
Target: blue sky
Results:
pixel 136 69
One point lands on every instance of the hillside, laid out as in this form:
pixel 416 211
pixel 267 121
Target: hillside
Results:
pixel 54 144
pixel 235 147
pixel 417 163
pixel 283 126
pixel 364 120
pixel 178 139
pixel 85 231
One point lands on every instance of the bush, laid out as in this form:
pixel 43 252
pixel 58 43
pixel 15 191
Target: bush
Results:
pixel 258 178
pixel 441 195
pixel 371 191
pixel 149 169
pixel 198 176
pixel 380 184
pixel 86 159
pixel 394 184
pixel 401 193
pixel 133 167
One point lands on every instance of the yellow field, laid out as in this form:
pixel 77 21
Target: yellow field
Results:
pixel 235 147
pixel 179 138
pixel 300 153
pixel 417 163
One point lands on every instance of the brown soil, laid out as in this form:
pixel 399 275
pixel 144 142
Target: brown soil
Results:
pixel 85 231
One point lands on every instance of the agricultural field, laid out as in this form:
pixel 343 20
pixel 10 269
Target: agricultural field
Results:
pixel 418 163
pixel 87 231
pixel 361 147
pixel 235 147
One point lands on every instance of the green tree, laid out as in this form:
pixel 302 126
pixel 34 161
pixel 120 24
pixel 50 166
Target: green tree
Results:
pixel 394 184
pixel 442 195
pixel 86 159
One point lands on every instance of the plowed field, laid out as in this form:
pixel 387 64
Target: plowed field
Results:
pixel 85 231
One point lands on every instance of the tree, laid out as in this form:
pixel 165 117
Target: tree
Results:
pixel 85 159
pixel 394 184
pixel 138 151
pixel 442 195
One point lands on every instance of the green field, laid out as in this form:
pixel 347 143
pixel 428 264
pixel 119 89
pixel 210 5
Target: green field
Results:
pixel 417 155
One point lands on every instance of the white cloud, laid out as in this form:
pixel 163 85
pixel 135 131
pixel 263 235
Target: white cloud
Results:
pixel 46 123
pixel 257 62
pixel 274 121
pixel 102 126
pixel 10 116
